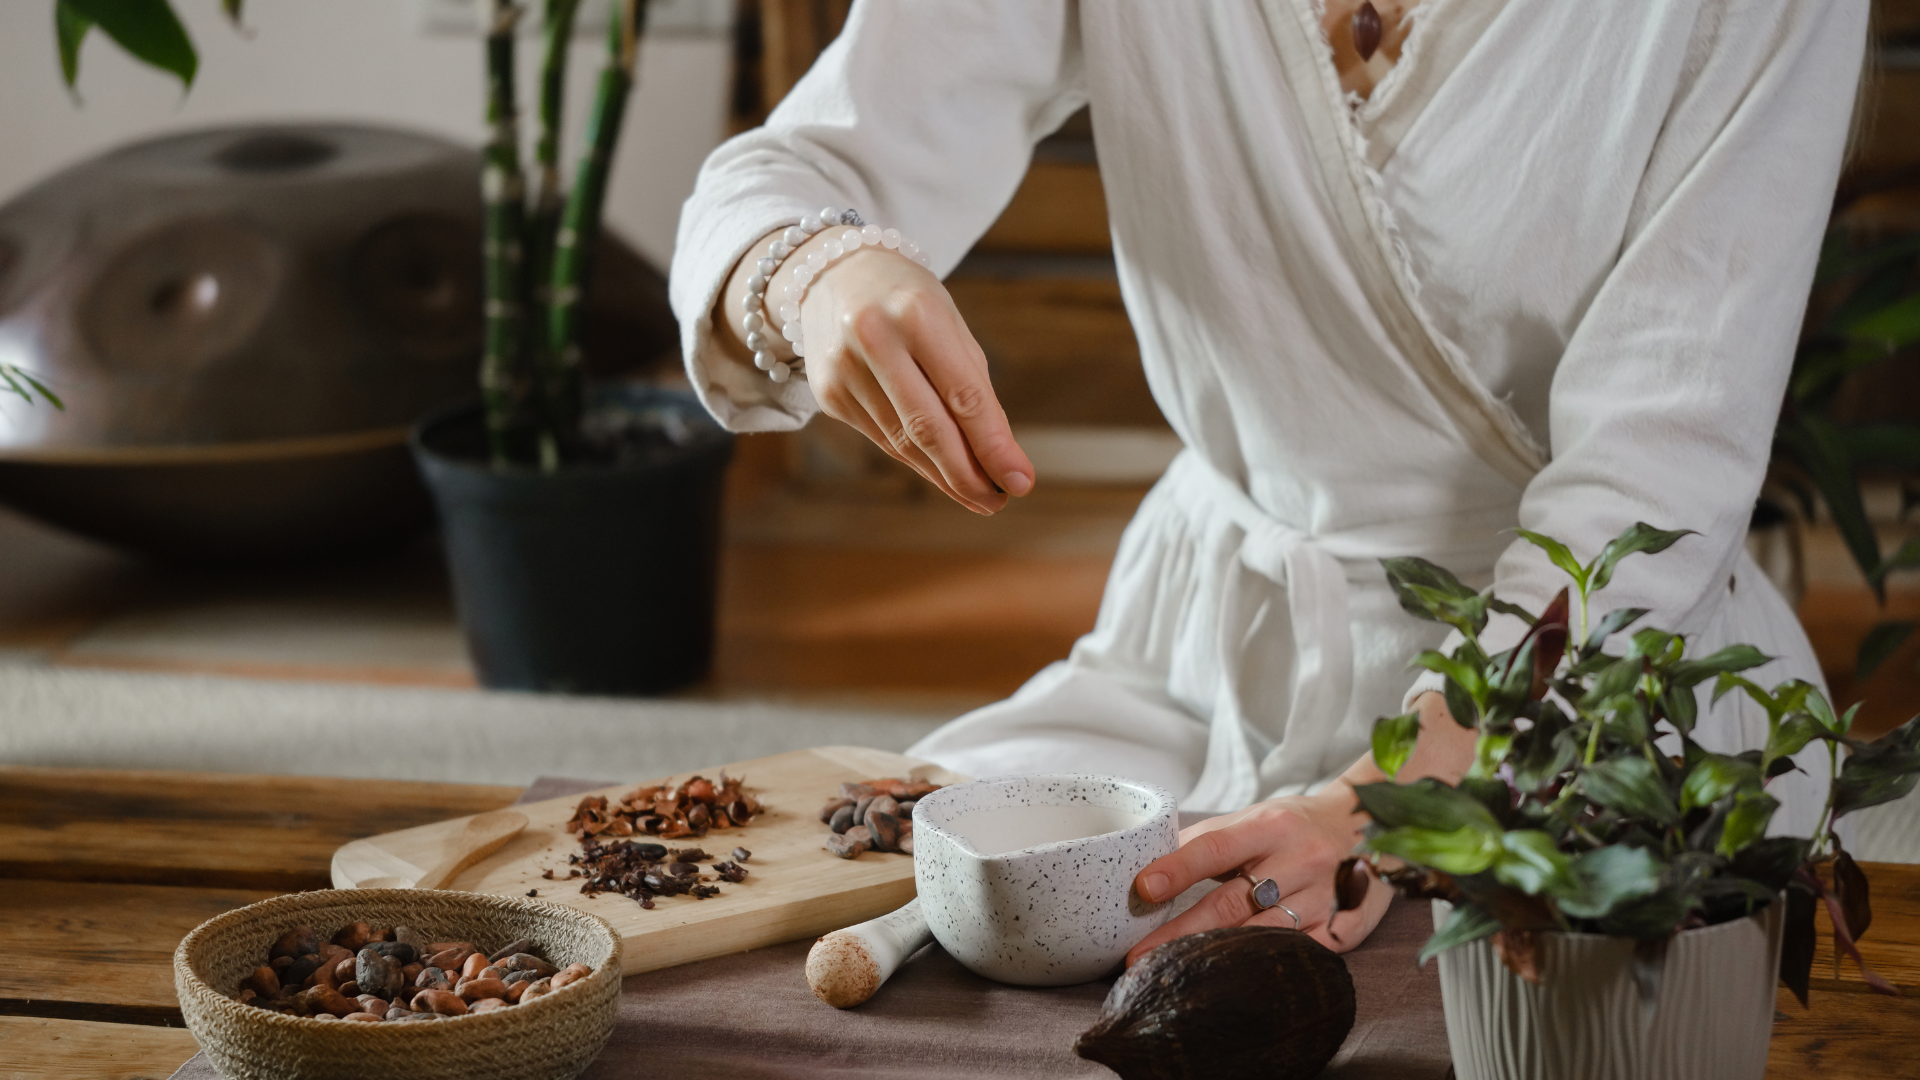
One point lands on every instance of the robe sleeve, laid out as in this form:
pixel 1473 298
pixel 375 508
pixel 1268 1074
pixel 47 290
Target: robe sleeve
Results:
pixel 1663 405
pixel 921 115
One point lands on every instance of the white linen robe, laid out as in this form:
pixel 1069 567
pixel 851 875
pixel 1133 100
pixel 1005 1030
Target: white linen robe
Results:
pixel 1550 275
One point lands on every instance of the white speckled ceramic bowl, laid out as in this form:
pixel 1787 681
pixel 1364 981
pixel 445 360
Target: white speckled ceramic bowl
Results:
pixel 1029 879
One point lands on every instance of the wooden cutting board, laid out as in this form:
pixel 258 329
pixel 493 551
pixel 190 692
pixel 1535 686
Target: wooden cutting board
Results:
pixel 794 888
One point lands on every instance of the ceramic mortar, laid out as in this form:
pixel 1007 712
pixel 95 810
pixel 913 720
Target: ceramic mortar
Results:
pixel 1029 879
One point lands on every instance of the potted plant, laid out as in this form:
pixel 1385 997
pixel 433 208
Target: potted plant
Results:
pixel 1608 901
pixel 582 523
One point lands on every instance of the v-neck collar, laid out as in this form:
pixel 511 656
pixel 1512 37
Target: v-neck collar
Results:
pixel 1444 32
pixel 1485 423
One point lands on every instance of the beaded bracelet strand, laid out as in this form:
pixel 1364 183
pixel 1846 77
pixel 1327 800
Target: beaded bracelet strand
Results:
pixel 756 323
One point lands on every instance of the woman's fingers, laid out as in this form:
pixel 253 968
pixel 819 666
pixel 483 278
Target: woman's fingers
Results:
pixel 924 420
pixel 1298 845
pixel 957 369
pixel 868 410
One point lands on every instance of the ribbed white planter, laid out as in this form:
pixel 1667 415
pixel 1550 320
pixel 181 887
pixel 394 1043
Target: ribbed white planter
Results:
pixel 1584 1021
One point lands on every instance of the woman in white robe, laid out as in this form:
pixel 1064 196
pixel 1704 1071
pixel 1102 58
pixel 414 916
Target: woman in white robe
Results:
pixel 1550 273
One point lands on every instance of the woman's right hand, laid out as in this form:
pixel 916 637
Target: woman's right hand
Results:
pixel 888 353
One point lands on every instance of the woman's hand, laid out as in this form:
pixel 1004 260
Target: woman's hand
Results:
pixel 888 354
pixel 1298 841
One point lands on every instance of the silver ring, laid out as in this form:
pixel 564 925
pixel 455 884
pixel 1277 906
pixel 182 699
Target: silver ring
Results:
pixel 1265 894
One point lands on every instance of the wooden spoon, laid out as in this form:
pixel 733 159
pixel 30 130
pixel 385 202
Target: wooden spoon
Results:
pixel 485 834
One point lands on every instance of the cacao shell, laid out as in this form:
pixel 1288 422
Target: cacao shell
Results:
pixel 1245 1001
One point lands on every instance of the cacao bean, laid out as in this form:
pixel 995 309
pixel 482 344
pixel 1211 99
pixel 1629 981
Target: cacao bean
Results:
pixel 884 827
pixel 478 989
pixel 296 942
pixel 263 982
pixel 411 936
pixel 399 951
pixel 842 819
pixel 846 846
pixel 488 1005
pixel 351 988
pixel 534 989
pixel 860 809
pixel 510 949
pixel 352 936
pixel 439 1001
pixel 882 804
pixel 570 974
pixel 379 975
pixel 833 806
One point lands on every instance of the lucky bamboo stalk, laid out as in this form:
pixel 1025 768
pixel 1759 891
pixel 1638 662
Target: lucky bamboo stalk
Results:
pixel 504 191
pixel 548 199
pixel 579 228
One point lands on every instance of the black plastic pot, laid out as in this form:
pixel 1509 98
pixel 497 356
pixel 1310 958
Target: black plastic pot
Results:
pixel 595 579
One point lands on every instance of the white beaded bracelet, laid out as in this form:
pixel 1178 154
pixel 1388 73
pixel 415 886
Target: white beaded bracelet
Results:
pixel 756 322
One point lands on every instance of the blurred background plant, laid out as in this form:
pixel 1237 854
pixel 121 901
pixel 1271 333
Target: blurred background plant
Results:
pixel 539 254
pixel 1862 326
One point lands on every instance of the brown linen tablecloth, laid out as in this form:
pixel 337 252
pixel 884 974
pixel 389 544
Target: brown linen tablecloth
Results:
pixel 751 1016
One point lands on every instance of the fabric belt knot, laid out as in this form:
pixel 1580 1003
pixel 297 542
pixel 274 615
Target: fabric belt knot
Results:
pixel 1321 687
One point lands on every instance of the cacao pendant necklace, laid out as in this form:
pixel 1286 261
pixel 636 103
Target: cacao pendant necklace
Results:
pixel 1366 30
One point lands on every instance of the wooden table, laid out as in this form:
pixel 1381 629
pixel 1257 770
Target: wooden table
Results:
pixel 102 873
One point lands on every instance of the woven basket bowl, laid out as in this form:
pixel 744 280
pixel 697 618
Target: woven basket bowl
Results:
pixel 555 1036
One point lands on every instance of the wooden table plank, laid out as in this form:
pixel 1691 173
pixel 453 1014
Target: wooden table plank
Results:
pixel 42 1049
pixel 207 830
pixel 1846 1033
pixel 86 951
pixel 1891 946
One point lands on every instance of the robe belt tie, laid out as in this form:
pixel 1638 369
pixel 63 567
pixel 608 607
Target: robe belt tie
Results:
pixel 1321 685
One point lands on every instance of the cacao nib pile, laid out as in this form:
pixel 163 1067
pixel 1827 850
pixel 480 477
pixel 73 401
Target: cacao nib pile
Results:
pixel 873 815
pixel 646 869
pixel 369 974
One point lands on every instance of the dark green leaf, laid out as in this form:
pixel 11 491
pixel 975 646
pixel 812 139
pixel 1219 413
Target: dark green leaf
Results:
pixel 1655 915
pixel 1839 258
pixel 1404 574
pixel 1515 610
pixel 1885 446
pixel 1792 736
pixel 1558 554
pixel 1772 861
pixel 1490 792
pixel 146 28
pixel 1681 706
pixel 1460 704
pixel 1426 803
pixel 1906 558
pixel 1880 643
pixel 1815 444
pixel 1746 821
pixel 1466 850
pixel 1880 772
pixel 1640 537
pixel 1715 777
pixel 1617 678
pixel 1632 786
pixel 1393 741
pixel 1457 669
pixel 1627 723
pixel 70 26
pixel 1467 924
pixel 1611 623
pixel 1893 327
pixel 1797 944
pixel 1531 862
pixel 1542 754
pixel 1607 877
pixel 1653 644
pixel 1689 673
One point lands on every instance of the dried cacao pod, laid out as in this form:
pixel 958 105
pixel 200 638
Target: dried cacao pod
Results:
pixel 1245 1001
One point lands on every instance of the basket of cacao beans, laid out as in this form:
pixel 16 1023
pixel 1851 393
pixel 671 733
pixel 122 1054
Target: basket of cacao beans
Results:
pixel 367 984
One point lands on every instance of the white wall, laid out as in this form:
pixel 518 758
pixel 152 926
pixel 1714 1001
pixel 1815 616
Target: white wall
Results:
pixel 363 60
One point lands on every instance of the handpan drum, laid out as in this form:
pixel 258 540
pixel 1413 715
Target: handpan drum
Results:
pixel 243 324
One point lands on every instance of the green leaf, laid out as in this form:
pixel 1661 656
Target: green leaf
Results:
pixel 232 8
pixel 1467 614
pixel 1405 574
pixel 1467 924
pixel 1466 850
pixel 1879 772
pixel 1539 754
pixel 1715 777
pixel 146 28
pixel 1771 861
pixel 1746 821
pixel 1880 643
pixel 70 26
pixel 1906 558
pixel 1515 610
pixel 1531 862
pixel 1425 802
pixel 1631 786
pixel 1656 915
pixel 1893 327
pixel 1815 444
pixel 1393 741
pixel 1466 712
pixel 1604 878
pixel 1558 554
pixel 1640 537
pixel 1680 706
pixel 1626 722
pixel 1792 736
pixel 1610 624
pixel 1489 752
pixel 1839 258
pixel 1617 678
pixel 1888 446
pixel 1690 673
pixel 1460 671
pixel 1654 644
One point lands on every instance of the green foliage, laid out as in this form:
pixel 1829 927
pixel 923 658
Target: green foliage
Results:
pixel 1571 817
pixel 148 29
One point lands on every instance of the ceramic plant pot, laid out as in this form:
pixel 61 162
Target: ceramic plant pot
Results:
pixel 1029 879
pixel 1710 1020
pixel 595 579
